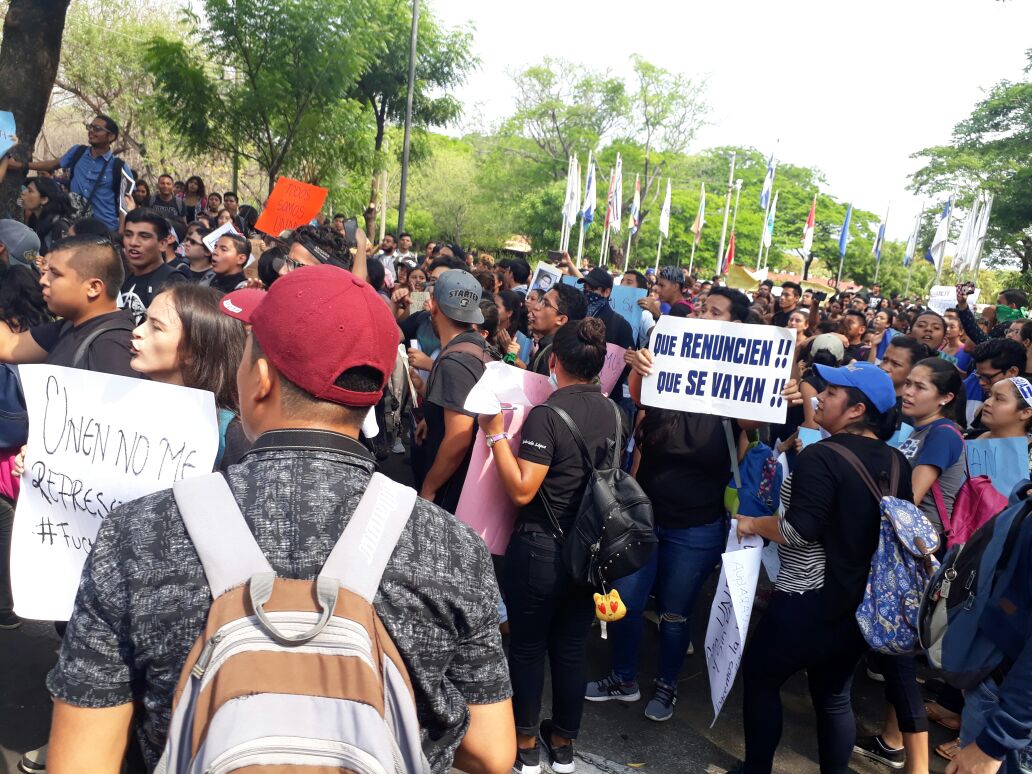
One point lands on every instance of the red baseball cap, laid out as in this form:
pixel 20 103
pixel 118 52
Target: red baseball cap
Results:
pixel 239 304
pixel 317 322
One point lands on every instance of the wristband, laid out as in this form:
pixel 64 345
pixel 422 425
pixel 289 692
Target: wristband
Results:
pixel 510 358
pixel 493 439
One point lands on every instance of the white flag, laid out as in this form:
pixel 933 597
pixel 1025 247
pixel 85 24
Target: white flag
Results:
pixel 964 259
pixel 942 233
pixel 573 206
pixel 664 214
pixel 617 194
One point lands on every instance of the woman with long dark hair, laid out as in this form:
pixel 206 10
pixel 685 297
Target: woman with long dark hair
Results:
pixel 828 534
pixel 49 210
pixel 194 199
pixel 549 614
pixel 21 308
pixel 512 318
pixel 187 340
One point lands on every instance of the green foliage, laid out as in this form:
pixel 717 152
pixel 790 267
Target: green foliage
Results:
pixel 275 95
pixel 990 150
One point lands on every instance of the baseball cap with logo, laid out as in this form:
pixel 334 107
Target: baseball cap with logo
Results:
pixel 597 278
pixel 21 242
pixel 241 303
pixel 318 322
pixel 457 295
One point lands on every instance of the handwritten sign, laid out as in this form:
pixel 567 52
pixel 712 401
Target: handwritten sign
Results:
pixel 95 442
pixel 624 301
pixel 7 131
pixel 484 504
pixel 730 613
pixel 221 231
pixel 126 186
pixel 1004 460
pixel 727 369
pixel 943 297
pixel 291 204
pixel 417 301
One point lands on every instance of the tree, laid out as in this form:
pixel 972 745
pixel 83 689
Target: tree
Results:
pixel 990 150
pixel 283 70
pixel 103 71
pixel 443 57
pixel 29 57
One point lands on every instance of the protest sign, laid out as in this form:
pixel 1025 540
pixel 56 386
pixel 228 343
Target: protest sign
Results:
pixel 417 300
pixel 484 504
pixel 126 186
pixel 545 277
pixel 7 132
pixel 612 368
pixel 1004 460
pixel 712 367
pixel 95 441
pixel 943 297
pixel 624 301
pixel 213 237
pixel 730 613
pixel 808 436
pixel 569 279
pixel 291 204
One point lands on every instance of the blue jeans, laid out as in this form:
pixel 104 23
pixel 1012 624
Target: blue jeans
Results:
pixel 978 703
pixel 678 568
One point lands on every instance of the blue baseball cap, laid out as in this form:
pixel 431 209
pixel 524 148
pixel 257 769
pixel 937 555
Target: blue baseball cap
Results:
pixel 866 377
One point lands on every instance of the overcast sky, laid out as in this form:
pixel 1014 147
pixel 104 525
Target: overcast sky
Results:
pixel 851 88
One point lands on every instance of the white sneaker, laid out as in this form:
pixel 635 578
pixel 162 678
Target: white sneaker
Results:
pixel 399 447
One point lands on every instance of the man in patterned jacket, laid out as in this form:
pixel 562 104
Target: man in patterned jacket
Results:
pixel 304 389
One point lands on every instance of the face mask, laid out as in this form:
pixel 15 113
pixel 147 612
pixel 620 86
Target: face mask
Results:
pixel 595 301
pixel 552 380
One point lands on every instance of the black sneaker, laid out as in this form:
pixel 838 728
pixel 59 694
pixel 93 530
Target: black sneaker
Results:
pixel 874 748
pixel 559 758
pixel 528 760
pixel 9 621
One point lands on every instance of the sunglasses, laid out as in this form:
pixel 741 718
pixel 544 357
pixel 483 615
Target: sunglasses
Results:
pixel 96 127
pixel 279 263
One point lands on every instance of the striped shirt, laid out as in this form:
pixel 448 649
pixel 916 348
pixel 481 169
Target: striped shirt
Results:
pixel 802 562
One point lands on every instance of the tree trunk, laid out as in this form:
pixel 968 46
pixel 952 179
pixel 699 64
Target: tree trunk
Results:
pixel 29 57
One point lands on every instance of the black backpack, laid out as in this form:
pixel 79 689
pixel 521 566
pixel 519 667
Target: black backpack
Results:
pixel 613 534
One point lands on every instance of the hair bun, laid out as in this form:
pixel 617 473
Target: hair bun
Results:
pixel 592 331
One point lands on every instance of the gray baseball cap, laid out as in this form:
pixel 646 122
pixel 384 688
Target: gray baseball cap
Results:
pixel 457 295
pixel 21 242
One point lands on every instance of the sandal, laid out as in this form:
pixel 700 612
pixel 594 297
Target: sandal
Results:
pixel 942 716
pixel 948 750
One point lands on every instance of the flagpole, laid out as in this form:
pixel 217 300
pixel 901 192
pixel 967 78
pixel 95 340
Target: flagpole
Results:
pixel 734 220
pixel 884 225
pixel 691 260
pixel 659 249
pixel 946 241
pixel 727 208
pixel 580 236
pixel 913 238
pixel 627 255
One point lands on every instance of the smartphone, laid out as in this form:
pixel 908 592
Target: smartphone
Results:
pixel 820 295
pixel 350 229
pixel 554 257
pixel 967 288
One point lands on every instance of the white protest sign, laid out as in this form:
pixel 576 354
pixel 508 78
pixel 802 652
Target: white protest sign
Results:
pixel 730 614
pixel 95 441
pixel 545 277
pixel 943 297
pixel 727 369
pixel 213 237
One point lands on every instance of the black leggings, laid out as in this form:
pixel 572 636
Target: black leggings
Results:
pixel 902 691
pixel 794 635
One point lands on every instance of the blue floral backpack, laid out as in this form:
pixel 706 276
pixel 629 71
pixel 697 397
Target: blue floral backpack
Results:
pixel 901 568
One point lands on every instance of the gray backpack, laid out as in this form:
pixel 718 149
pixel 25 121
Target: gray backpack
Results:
pixel 293 672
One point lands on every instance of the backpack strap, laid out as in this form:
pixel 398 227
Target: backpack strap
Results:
pixel 937 495
pixel 80 150
pixel 229 553
pixel 732 450
pixel 865 475
pixel 358 560
pixel 82 352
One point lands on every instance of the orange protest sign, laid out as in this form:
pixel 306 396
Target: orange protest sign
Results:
pixel 291 204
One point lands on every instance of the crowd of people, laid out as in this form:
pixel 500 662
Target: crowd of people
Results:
pixel 297 336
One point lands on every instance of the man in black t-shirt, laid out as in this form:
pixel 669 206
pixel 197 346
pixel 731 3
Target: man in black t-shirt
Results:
pixel 448 430
pixel 148 273
pixel 165 202
pixel 80 285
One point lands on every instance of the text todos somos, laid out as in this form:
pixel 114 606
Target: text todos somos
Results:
pixel 727 369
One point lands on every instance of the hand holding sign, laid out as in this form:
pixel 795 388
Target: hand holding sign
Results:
pixel 727 369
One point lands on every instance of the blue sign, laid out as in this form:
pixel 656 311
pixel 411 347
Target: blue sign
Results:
pixel 1004 460
pixel 6 131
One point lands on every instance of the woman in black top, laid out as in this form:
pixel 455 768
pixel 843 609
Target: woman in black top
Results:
pixel 816 629
pixel 50 211
pixel 548 612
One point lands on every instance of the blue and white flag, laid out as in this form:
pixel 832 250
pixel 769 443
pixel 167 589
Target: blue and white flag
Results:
pixel 908 254
pixel 937 250
pixel 768 183
pixel 588 208
pixel 768 230
pixel 843 239
pixel 880 239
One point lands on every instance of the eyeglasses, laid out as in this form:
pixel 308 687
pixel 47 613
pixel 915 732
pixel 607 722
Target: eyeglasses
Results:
pixel 988 378
pixel 195 242
pixel 543 302
pixel 278 264
pixel 95 127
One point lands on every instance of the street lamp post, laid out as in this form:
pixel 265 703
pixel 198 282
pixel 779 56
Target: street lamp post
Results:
pixel 408 115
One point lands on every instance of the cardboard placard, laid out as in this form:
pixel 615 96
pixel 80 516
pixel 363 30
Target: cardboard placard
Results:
pixel 291 204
